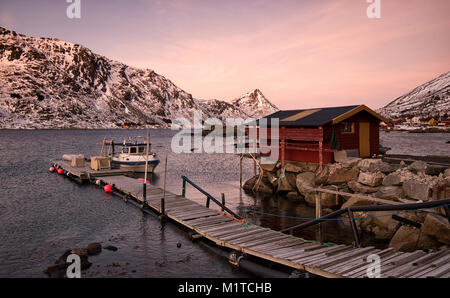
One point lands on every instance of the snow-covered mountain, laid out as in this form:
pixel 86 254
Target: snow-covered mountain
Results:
pixel 50 83
pixel 429 100
pixel 254 104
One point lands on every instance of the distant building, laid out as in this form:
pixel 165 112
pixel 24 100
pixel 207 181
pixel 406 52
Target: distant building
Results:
pixel 313 135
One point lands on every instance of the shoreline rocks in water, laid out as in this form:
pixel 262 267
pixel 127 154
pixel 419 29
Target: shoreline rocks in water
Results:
pixel 416 182
pixel 60 266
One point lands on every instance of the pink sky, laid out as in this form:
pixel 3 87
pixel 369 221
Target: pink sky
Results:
pixel 300 54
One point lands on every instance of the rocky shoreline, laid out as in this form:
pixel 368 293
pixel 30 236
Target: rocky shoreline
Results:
pixel 373 178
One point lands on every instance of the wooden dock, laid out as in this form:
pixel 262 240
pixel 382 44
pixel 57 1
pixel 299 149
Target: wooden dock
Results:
pixel 86 173
pixel 266 244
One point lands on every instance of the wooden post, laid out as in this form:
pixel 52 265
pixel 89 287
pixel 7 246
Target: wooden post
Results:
pixel 223 201
pixel 354 228
pixel 183 191
pixel 164 189
pixel 240 171
pixel 319 205
pixel 283 146
pixel 144 194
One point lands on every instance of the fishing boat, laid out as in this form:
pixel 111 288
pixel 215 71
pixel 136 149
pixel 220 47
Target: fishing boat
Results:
pixel 132 156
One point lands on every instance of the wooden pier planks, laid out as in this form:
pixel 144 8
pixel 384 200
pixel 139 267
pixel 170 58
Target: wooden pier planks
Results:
pixel 85 173
pixel 314 257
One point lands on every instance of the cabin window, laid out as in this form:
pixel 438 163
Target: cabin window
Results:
pixel 141 149
pixel 133 150
pixel 124 150
pixel 347 127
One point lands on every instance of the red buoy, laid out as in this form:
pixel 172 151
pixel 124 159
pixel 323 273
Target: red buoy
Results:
pixel 52 169
pixel 107 188
pixel 141 179
pixel 60 171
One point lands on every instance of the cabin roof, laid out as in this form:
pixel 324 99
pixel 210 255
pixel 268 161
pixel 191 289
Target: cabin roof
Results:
pixel 319 116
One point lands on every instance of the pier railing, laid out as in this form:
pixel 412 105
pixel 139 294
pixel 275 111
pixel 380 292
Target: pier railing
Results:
pixel 349 210
pixel 209 197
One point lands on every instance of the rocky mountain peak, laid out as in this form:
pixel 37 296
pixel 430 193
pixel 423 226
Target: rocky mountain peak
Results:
pixel 51 83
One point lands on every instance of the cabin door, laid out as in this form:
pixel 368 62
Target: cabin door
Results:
pixel 364 139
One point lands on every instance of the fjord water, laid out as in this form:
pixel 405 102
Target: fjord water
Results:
pixel 43 214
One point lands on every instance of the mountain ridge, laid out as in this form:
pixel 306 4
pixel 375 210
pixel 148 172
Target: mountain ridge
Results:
pixel 429 100
pixel 51 83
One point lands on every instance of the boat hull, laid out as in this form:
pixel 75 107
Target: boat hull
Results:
pixel 136 166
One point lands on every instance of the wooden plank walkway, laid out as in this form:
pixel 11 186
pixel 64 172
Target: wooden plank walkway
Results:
pixel 85 173
pixel 314 257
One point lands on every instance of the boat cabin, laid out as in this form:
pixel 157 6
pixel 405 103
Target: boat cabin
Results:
pixel 134 148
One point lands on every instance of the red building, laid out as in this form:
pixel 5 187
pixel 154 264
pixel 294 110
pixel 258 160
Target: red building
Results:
pixel 313 135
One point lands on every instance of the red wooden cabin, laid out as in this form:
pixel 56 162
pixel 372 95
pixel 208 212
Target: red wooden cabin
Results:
pixel 307 135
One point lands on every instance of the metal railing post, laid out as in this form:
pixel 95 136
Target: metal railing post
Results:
pixel 354 227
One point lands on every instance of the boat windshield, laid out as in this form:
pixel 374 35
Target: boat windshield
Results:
pixel 134 150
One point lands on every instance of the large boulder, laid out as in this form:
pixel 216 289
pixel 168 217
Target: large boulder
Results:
pixel 305 181
pixel 427 242
pixel 417 190
pixel 447 172
pixel 271 178
pixel 393 193
pixel 361 188
pixel 340 174
pixel 405 239
pixel 380 224
pixel 393 179
pixel 270 167
pixel 371 179
pixel 322 175
pixel 287 183
pixel 94 248
pixel 387 168
pixel 356 201
pixel 418 166
pixel 351 162
pixel 340 156
pixel 264 186
pixel 437 227
pixel 370 164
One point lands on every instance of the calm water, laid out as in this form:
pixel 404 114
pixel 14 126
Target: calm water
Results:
pixel 43 214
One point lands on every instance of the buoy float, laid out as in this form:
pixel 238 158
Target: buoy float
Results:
pixel 60 171
pixel 97 182
pixel 141 179
pixel 52 169
pixel 107 188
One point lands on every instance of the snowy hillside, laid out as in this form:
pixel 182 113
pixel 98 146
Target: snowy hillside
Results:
pixel 431 99
pixel 49 83
pixel 254 104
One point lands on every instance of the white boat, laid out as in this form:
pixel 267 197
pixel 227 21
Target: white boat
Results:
pixel 133 157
